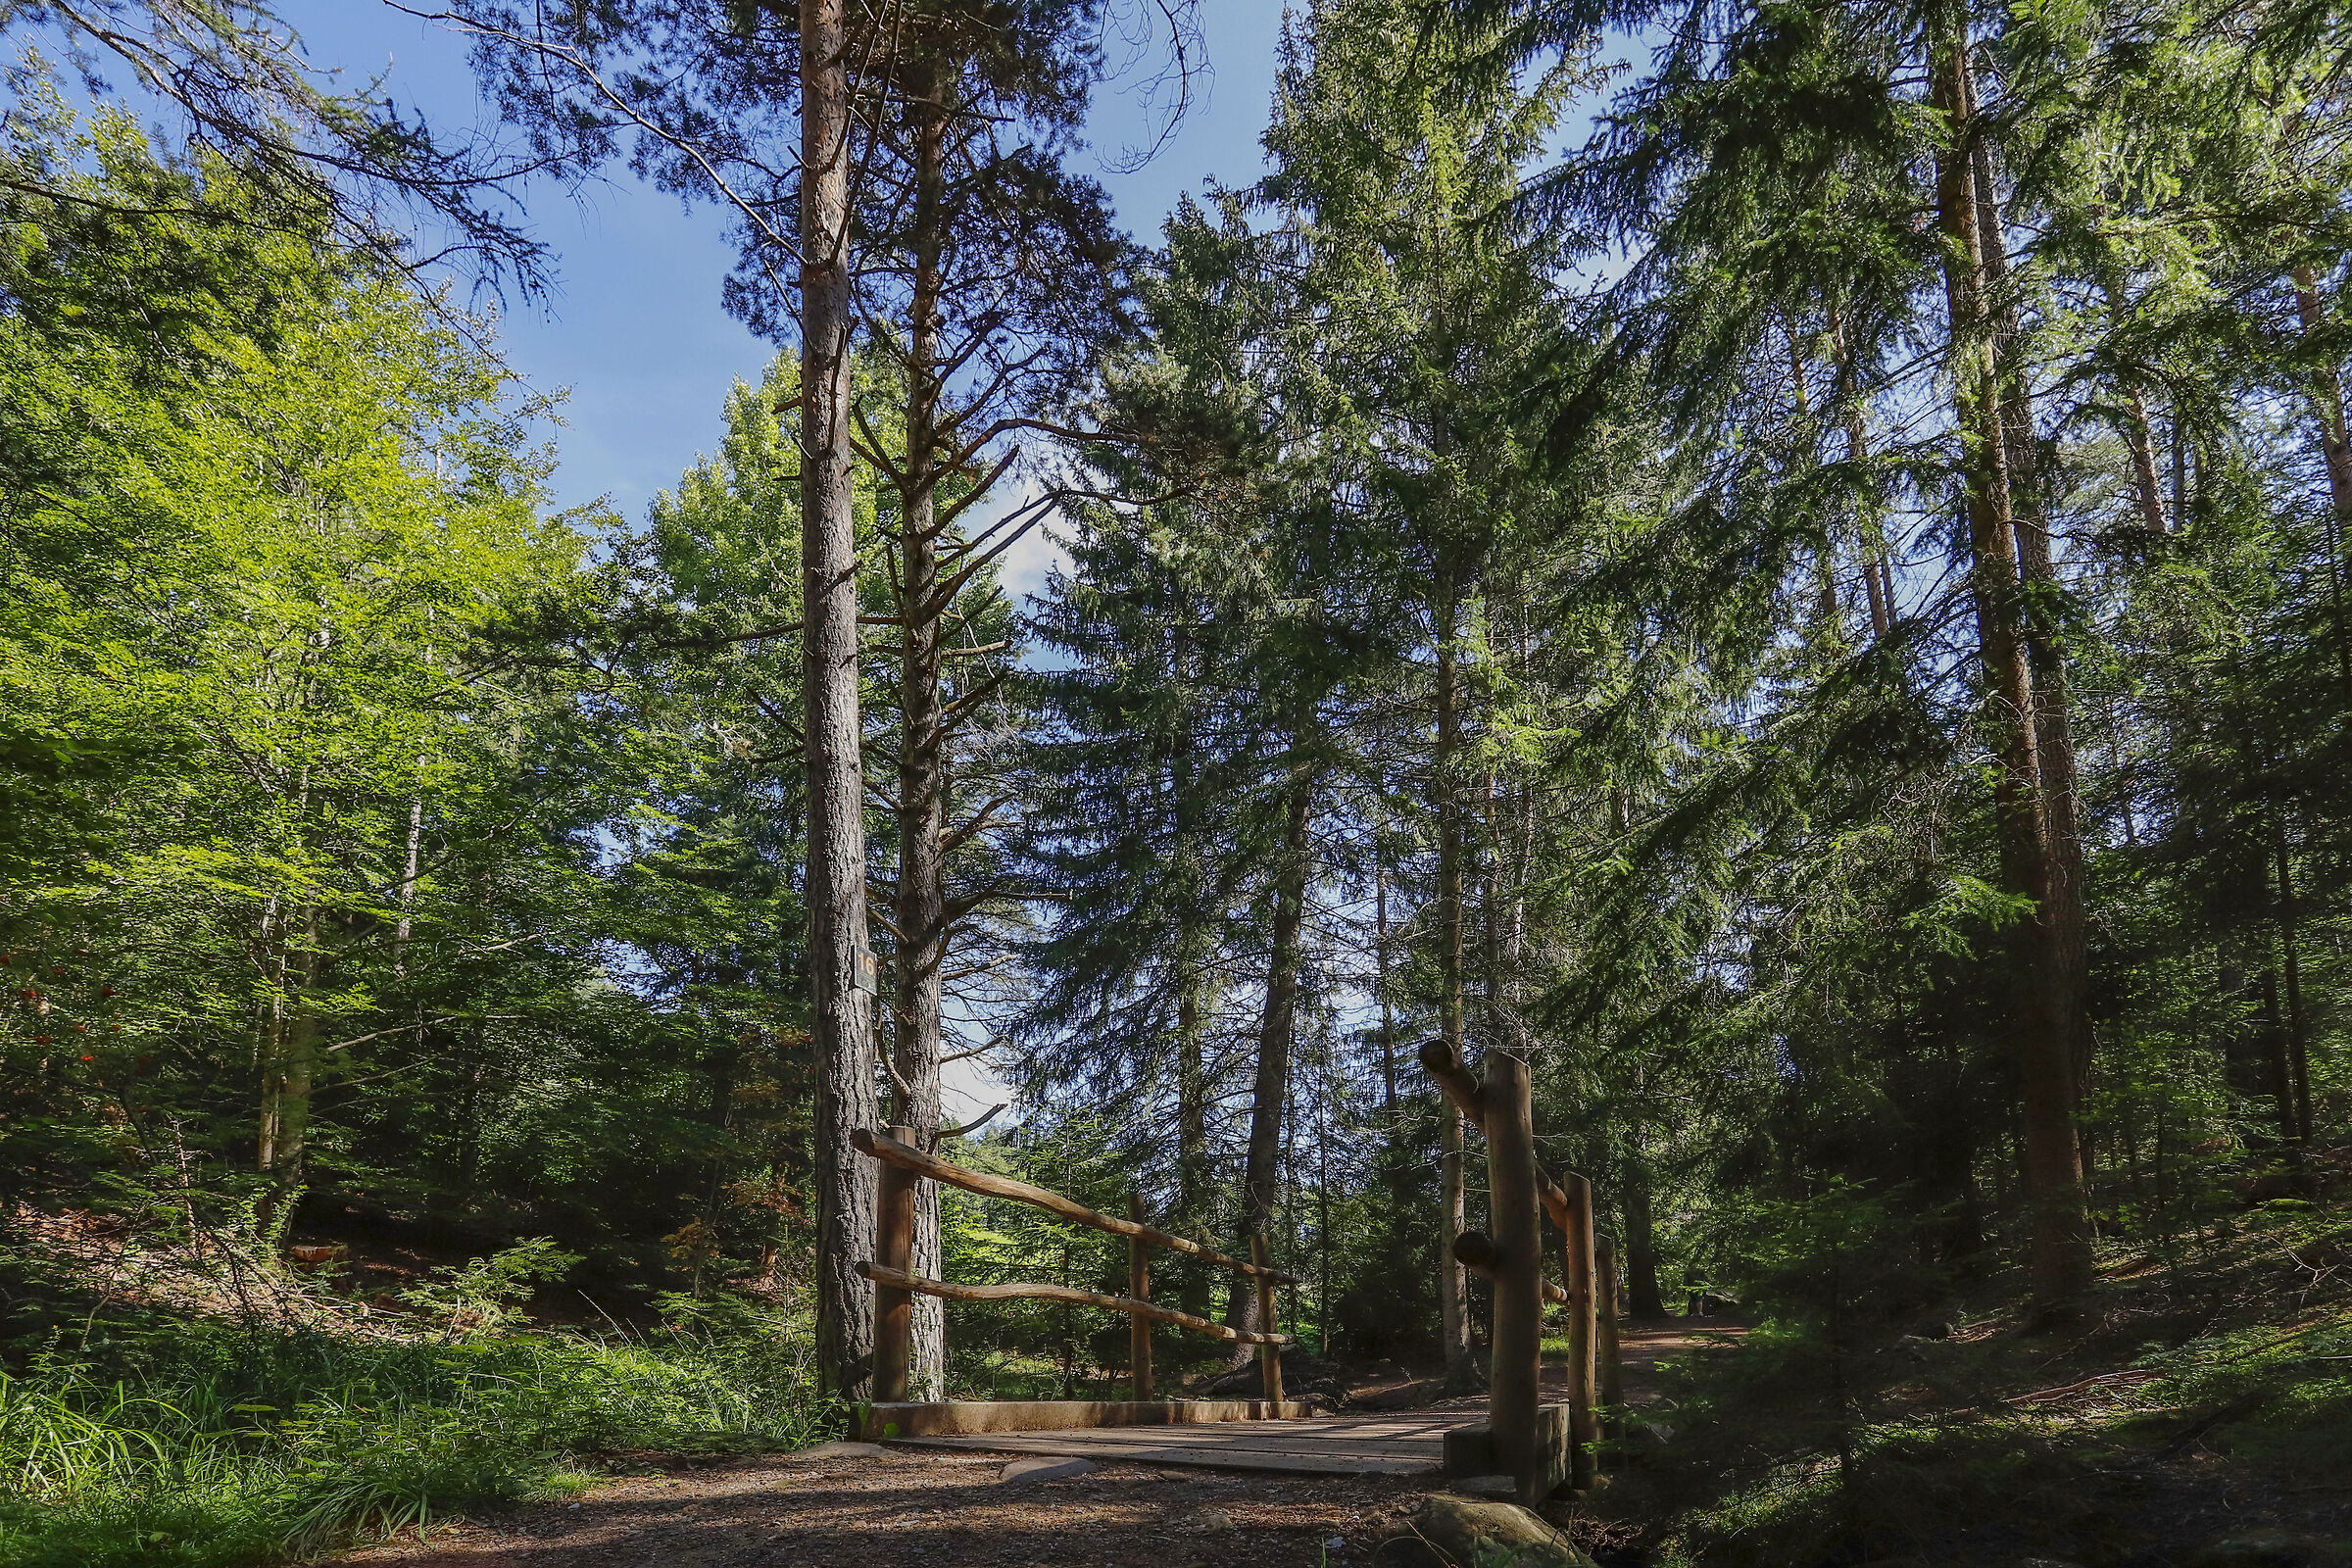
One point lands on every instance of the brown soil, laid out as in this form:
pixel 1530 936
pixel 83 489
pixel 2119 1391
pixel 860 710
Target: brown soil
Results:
pixel 923 1509
pixel 930 1510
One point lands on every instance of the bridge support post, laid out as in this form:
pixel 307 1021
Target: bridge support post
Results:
pixel 1612 1373
pixel 894 1249
pixel 1269 1356
pixel 1139 1287
pixel 1515 1381
pixel 1582 1337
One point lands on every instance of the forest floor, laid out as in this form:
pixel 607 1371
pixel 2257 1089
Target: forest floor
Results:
pixel 953 1510
pixel 2198 1415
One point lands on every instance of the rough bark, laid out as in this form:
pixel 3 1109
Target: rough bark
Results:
pixel 2061 1259
pixel 2336 451
pixel 2064 926
pixel 836 879
pixel 920 907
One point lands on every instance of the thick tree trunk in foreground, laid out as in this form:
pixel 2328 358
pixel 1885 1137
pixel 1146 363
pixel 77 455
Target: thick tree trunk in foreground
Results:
pixel 1454 1293
pixel 2064 923
pixel 921 906
pixel 2061 1256
pixel 836 890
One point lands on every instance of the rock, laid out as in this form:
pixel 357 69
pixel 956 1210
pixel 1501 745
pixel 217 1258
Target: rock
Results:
pixel 1403 1397
pixel 1045 1469
pixel 1208 1519
pixel 2265 1549
pixel 840 1450
pixel 1500 1487
pixel 1459 1534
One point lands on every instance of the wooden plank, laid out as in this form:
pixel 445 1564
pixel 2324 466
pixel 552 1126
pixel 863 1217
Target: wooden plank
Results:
pixel 1339 1463
pixel 1612 1364
pixel 1515 1380
pixel 890 1151
pixel 1139 1287
pixel 1138 1438
pixel 894 1310
pixel 960 1417
pixel 898 1279
pixel 1269 1356
pixel 1582 1332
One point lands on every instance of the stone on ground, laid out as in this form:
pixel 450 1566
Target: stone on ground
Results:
pixel 1461 1533
pixel 841 1450
pixel 1045 1469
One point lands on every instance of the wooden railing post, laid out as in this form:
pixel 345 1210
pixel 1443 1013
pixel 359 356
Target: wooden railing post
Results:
pixel 1269 1356
pixel 1583 1338
pixel 1612 1372
pixel 1514 1384
pixel 894 1249
pixel 1139 1287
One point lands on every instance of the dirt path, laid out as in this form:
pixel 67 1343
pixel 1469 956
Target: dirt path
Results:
pixel 936 1509
pixel 932 1510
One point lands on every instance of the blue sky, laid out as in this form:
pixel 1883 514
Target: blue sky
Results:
pixel 635 330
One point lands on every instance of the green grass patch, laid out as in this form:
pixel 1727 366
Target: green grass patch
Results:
pixel 219 1444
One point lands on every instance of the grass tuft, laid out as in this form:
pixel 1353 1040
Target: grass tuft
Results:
pixel 217 1445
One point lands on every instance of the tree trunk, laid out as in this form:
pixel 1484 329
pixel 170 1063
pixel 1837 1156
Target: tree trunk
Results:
pixel 290 1066
pixel 2064 928
pixel 1261 1169
pixel 1640 1244
pixel 836 879
pixel 1868 529
pixel 1454 1295
pixel 2061 1257
pixel 2140 436
pixel 921 906
pixel 2336 451
pixel 2291 962
pixel 1191 980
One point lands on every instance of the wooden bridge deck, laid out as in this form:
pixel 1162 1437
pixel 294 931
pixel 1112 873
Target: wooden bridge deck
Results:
pixel 1404 1442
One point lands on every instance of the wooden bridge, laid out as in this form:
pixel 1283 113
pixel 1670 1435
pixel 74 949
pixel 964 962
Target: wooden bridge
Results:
pixel 1538 1447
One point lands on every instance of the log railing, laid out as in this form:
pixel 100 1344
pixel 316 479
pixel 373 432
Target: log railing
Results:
pixel 894 1287
pixel 1517 1441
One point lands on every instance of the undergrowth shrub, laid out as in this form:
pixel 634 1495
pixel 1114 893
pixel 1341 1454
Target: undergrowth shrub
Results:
pixel 218 1444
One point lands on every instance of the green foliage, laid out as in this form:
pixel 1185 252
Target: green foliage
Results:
pixel 225 1443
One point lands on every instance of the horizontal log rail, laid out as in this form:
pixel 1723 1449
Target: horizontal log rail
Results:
pixel 897 1280
pixel 891 1151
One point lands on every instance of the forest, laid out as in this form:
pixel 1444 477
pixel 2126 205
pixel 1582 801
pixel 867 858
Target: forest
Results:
pixel 1783 563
